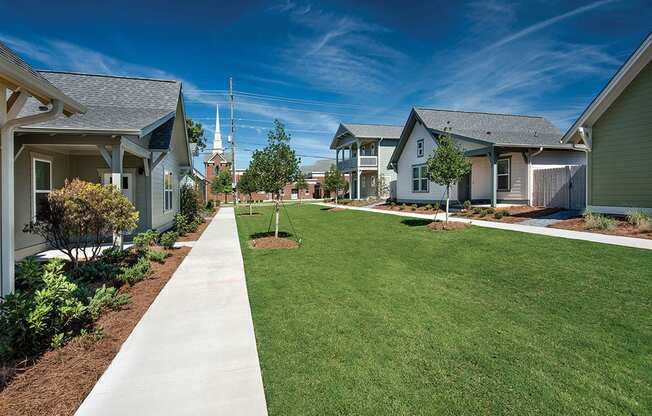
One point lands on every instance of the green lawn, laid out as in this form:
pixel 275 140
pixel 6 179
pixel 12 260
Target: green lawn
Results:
pixel 377 317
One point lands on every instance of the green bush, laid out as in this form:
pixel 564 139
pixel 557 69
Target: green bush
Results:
pixel 106 298
pixel 168 239
pixel 477 210
pixel 499 214
pixel 413 207
pixel 402 207
pixel 144 240
pixel 30 322
pixel 114 255
pixel 135 273
pixel 209 205
pixel 157 256
pixel 639 219
pixel 596 221
pixel 490 210
pixel 189 202
pixel 467 205
pixel 483 212
pixel 428 206
pixel 28 275
pixel 181 224
pixel 436 206
pixel 95 271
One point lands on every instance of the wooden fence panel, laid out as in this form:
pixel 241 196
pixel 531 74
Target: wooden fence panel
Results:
pixel 559 187
pixel 577 187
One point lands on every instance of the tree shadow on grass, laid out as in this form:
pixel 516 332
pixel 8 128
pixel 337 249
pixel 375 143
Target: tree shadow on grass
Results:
pixel 246 214
pixel 281 234
pixel 416 222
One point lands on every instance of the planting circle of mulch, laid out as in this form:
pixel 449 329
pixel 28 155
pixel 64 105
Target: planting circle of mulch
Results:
pixel 266 243
pixel 451 226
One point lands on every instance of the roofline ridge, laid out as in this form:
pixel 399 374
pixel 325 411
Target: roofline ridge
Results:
pixel 372 124
pixel 52 71
pixel 479 112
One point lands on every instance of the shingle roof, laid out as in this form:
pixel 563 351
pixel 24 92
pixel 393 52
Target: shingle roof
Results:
pixel 9 56
pixel 367 131
pixel 114 103
pixel 491 127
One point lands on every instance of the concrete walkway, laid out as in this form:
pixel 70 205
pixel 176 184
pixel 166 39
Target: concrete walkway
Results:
pixel 194 350
pixel 552 232
pixel 551 219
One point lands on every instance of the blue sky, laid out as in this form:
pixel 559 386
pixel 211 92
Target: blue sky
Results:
pixel 314 64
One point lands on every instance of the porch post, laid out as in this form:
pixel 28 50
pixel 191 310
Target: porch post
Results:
pixel 7 143
pixel 494 176
pixel 117 152
pixel 350 185
pixel 357 171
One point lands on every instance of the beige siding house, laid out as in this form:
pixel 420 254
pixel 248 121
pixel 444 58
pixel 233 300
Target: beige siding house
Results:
pixel 616 132
pixel 132 135
pixel 504 151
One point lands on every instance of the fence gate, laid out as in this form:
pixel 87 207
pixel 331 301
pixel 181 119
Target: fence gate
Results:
pixel 560 187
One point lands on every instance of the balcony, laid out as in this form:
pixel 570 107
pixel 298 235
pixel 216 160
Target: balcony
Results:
pixel 365 162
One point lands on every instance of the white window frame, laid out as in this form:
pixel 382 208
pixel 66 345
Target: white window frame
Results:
pixel 167 191
pixel 34 190
pixel 420 147
pixel 508 174
pixel 423 174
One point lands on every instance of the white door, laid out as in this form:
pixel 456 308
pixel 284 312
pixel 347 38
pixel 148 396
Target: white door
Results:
pixel 127 184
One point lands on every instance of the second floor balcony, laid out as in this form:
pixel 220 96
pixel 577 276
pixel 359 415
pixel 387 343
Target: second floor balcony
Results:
pixel 352 163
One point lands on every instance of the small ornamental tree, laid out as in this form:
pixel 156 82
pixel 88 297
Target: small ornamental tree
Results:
pixel 447 164
pixel 247 185
pixel 275 166
pixel 301 185
pixel 382 187
pixel 196 133
pixel 334 181
pixel 223 183
pixel 190 204
pixel 80 216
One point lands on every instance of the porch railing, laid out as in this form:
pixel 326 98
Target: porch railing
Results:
pixel 368 161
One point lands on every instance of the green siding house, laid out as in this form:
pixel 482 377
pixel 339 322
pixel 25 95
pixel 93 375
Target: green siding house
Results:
pixel 616 132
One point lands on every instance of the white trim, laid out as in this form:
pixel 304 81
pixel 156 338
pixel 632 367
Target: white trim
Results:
pixel 44 159
pixel 508 174
pixel 170 190
pixel 420 178
pixel 618 210
pixel 421 142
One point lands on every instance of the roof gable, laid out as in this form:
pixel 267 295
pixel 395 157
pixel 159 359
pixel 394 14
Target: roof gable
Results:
pixel 366 131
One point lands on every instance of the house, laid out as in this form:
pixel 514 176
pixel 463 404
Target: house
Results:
pixel 362 153
pixel 132 135
pixel 615 131
pixel 503 149
pixel 18 84
pixel 197 180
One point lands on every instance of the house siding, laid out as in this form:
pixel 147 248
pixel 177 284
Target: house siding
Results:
pixel 619 169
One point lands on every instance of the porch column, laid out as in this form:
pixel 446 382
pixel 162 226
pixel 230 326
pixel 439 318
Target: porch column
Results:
pixel 357 171
pixel 117 153
pixel 493 159
pixel 350 185
pixel 7 143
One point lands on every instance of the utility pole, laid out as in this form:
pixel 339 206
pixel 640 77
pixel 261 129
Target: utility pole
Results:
pixel 234 181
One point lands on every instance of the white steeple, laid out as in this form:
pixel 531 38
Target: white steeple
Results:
pixel 217 140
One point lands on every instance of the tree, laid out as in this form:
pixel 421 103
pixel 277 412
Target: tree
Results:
pixel 80 216
pixel 447 164
pixel 222 183
pixel 276 165
pixel 382 187
pixel 189 201
pixel 301 184
pixel 196 133
pixel 247 185
pixel 334 181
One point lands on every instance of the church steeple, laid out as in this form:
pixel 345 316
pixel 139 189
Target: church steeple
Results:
pixel 217 139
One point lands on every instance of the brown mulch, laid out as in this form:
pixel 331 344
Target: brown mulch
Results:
pixel 622 228
pixel 61 379
pixel 272 243
pixel 451 226
pixel 408 208
pixel 512 215
pixel 200 230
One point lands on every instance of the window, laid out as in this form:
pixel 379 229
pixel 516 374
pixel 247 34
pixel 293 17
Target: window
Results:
pixel 420 148
pixel 167 191
pixel 504 174
pixel 419 179
pixel 42 186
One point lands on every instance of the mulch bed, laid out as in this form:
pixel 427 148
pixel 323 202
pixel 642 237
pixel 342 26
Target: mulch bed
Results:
pixel 451 226
pixel 512 215
pixel 195 236
pixel 267 243
pixel 622 228
pixel 409 208
pixel 60 380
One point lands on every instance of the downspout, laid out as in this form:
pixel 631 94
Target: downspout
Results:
pixel 8 226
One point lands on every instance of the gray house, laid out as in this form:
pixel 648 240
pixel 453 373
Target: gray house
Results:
pixel 362 152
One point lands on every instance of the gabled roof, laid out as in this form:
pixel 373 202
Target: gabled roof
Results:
pixel 616 85
pixel 367 131
pixel 16 73
pixel 119 105
pixel 489 128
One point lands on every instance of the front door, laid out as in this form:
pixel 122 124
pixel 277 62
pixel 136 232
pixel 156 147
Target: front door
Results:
pixel 127 184
pixel 464 188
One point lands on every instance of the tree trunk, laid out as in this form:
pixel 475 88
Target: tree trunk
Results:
pixel 336 197
pixel 250 210
pixel 448 197
pixel 277 213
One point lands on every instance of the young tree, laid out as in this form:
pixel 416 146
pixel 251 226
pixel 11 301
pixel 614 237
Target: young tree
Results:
pixel 382 187
pixel 247 185
pixel 275 166
pixel 301 185
pixel 334 181
pixel 447 164
pixel 222 183
pixel 196 133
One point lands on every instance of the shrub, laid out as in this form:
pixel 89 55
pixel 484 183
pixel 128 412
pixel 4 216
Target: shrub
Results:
pixel 209 205
pixel 28 275
pixel 134 274
pixel 95 271
pixel 168 239
pixel 490 210
pixel 428 207
pixel 413 207
pixel 77 218
pixel 483 212
pixel 114 255
pixel 595 221
pixel 467 205
pixel 477 210
pixel 639 219
pixel 144 240
pixel 402 207
pixel 499 214
pixel 189 202
pixel 106 298
pixel 157 256
pixel 30 322
pixel 181 224
pixel 436 206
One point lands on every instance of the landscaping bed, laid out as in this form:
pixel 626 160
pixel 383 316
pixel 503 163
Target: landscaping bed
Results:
pixel 429 209
pixel 378 315
pixel 194 236
pixel 512 215
pixel 618 225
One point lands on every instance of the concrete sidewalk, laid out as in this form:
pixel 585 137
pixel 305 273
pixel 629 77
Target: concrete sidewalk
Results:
pixel 194 350
pixel 552 232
